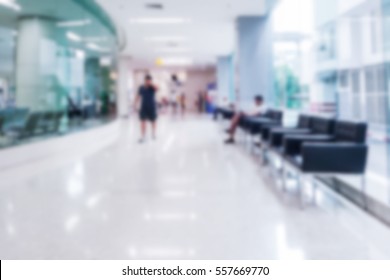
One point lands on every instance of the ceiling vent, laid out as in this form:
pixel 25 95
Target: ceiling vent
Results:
pixel 154 6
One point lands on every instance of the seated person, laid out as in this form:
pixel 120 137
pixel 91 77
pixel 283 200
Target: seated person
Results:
pixel 257 111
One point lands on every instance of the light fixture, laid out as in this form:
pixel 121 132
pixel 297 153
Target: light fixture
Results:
pixel 80 54
pixel 95 47
pixel 174 61
pixel 11 4
pixel 160 20
pixel 73 23
pixel 73 36
pixel 113 76
pixel 105 61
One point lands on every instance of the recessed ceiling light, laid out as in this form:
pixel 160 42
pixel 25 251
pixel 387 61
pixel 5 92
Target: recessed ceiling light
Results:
pixel 73 23
pixel 160 20
pixel 174 61
pixel 80 54
pixel 73 36
pixel 11 4
pixel 95 47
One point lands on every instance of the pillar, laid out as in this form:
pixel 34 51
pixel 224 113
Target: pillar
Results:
pixel 225 76
pixel 37 84
pixel 255 59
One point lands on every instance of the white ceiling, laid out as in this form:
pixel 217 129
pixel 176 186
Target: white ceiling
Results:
pixel 210 33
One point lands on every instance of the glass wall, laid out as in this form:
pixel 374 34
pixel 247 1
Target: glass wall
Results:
pixel 57 68
pixel 339 62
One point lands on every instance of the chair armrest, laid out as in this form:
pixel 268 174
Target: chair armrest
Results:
pixel 346 158
pixel 266 131
pixel 256 125
pixel 293 143
pixel 277 135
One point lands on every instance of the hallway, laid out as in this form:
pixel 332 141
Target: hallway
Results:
pixel 184 196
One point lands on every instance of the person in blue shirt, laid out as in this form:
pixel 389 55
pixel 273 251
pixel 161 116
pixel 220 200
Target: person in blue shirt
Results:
pixel 148 108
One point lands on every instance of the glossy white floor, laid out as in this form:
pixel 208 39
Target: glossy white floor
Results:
pixel 184 196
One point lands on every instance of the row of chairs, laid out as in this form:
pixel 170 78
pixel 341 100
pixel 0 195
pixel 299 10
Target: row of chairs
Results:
pixel 317 146
pixel 36 123
pixel 12 116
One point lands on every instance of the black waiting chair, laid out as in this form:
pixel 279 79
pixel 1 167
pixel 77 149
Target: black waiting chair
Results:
pixel 321 129
pixel 284 142
pixel 225 113
pixel 58 116
pixel 345 153
pixel 254 125
pixel 303 126
pixel 28 129
pixel 46 122
pixel 316 127
pixel 272 136
pixel 1 126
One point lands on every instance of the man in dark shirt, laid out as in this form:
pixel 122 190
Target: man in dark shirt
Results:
pixel 148 108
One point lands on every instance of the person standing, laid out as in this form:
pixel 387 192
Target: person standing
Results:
pixel 183 104
pixel 148 108
pixel 175 86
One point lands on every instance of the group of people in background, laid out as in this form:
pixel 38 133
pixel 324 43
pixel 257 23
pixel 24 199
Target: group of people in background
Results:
pixel 176 103
pixel 148 106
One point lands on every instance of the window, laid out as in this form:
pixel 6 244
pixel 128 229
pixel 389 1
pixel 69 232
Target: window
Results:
pixel 343 79
pixel 355 78
pixel 370 80
pixel 373 32
pixel 381 79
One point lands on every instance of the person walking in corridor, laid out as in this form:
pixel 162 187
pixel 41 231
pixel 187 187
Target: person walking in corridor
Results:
pixel 148 107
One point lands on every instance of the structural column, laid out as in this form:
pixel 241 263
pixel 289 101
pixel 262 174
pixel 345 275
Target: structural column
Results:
pixel 225 73
pixel 255 58
pixel 125 87
pixel 36 78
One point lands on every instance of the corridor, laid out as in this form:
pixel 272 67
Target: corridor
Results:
pixel 184 196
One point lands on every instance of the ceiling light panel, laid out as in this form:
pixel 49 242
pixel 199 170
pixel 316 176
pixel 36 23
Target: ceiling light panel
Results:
pixel 73 23
pixel 11 4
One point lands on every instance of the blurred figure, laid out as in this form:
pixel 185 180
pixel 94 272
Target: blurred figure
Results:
pixel 201 102
pixel 257 111
pixel 174 90
pixel 148 107
pixel 2 99
pixel 86 104
pixel 183 103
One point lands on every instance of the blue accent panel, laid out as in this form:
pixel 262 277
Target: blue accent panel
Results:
pixel 255 58
pixel 225 71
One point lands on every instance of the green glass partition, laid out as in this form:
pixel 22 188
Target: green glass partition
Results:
pixel 57 68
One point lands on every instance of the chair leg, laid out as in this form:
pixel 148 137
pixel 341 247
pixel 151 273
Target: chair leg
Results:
pixel 252 144
pixel 314 191
pixel 301 186
pixel 364 190
pixel 284 178
pixel 264 154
